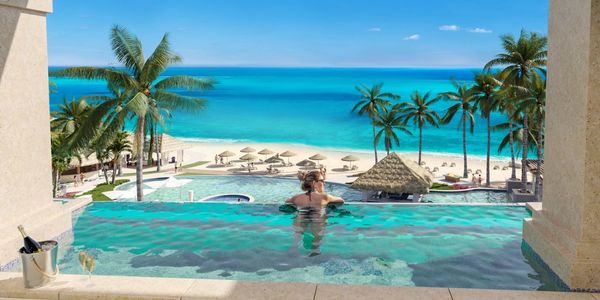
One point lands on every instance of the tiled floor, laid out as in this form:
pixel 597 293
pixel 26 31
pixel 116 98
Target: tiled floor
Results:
pixel 68 287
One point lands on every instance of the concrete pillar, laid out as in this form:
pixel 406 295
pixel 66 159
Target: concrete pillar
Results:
pixel 565 232
pixel 25 171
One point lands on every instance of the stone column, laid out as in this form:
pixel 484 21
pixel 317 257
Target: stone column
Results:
pixel 25 168
pixel 565 231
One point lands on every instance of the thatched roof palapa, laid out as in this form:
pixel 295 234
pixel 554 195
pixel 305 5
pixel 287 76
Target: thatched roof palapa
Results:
pixel 318 157
pixel 248 150
pixel 350 158
pixel 167 143
pixel 227 154
pixel 306 163
pixel 395 174
pixel 265 152
pixel 248 157
pixel 287 154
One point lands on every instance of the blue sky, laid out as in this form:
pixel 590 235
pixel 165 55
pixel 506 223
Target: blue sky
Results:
pixel 308 33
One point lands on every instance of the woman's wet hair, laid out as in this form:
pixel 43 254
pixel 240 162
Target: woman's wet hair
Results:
pixel 307 179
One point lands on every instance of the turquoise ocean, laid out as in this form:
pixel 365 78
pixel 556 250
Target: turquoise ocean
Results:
pixel 310 106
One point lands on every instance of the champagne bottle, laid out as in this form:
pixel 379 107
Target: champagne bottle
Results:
pixel 30 245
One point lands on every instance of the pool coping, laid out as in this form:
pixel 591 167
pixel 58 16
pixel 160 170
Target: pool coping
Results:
pixel 131 287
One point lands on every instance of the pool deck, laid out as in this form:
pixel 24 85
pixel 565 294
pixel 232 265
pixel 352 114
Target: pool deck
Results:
pixel 67 287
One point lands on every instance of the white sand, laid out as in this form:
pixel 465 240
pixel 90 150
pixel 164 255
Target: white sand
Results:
pixel 206 151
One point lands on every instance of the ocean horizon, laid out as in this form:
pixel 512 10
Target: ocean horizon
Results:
pixel 308 106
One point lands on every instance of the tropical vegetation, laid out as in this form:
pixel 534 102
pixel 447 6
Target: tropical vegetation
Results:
pixel 139 94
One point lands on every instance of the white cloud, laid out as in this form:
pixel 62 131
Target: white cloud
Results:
pixel 412 37
pixel 374 29
pixel 480 30
pixel 449 28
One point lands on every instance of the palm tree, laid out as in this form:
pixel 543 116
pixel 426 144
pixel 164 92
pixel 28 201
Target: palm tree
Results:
pixel 141 88
pixel 390 122
pixel 467 106
pixel 420 113
pixel 535 104
pixel 69 116
pixel 485 90
pixel 61 156
pixel 67 120
pixel 524 59
pixel 119 144
pixel 372 102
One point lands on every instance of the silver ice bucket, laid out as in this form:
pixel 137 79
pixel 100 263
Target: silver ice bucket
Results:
pixel 42 267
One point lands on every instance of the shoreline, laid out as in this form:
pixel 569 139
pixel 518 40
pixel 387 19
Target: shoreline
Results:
pixel 206 151
pixel 191 140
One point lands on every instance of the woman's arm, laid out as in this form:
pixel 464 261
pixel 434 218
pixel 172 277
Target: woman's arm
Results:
pixel 334 199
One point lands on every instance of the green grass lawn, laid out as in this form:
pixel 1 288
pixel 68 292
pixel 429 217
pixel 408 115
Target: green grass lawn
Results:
pixel 441 186
pixel 198 163
pixel 103 187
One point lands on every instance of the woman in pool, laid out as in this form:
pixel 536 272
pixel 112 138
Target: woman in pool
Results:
pixel 311 207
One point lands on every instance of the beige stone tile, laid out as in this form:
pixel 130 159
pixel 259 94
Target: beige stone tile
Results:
pixel 596 296
pixel 124 287
pixel 367 292
pixel 228 289
pixel 478 294
pixel 11 286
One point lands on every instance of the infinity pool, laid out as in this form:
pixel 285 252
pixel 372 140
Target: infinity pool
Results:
pixel 276 190
pixel 449 246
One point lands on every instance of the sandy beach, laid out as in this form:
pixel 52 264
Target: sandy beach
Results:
pixel 206 151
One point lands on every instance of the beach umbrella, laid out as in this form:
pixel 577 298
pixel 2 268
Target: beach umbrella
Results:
pixel 249 157
pixel 318 157
pixel 350 158
pixel 248 150
pixel 288 154
pixel 265 152
pixel 306 163
pixel 227 154
pixel 273 160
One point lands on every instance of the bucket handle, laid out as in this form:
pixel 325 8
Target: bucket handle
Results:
pixel 42 271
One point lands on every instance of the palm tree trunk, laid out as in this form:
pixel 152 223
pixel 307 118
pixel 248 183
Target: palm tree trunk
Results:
pixel 524 156
pixel 104 171
pixel 465 174
pixel 374 143
pixel 420 142
pixel 538 176
pixel 114 174
pixel 139 176
pixel 487 162
pixel 388 145
pixel 511 141
pixel 157 150
pixel 54 181
pixel 151 146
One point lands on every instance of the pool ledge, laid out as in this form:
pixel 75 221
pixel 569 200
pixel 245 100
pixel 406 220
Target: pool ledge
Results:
pixel 67 287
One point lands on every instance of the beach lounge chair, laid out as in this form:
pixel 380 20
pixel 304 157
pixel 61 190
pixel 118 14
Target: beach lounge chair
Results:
pixel 504 168
pixel 428 169
pixel 469 171
pixel 243 166
pixel 444 164
pixel 496 167
pixel 478 171
pixel 346 168
pixel 436 169
pixel 355 167
pixel 453 165
pixel 423 163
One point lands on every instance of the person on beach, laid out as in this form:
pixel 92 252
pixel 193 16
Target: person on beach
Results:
pixel 311 206
pixel 216 159
pixel 474 180
pixel 479 180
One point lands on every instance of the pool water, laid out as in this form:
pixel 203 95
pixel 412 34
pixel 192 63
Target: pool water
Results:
pixel 277 189
pixel 402 245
